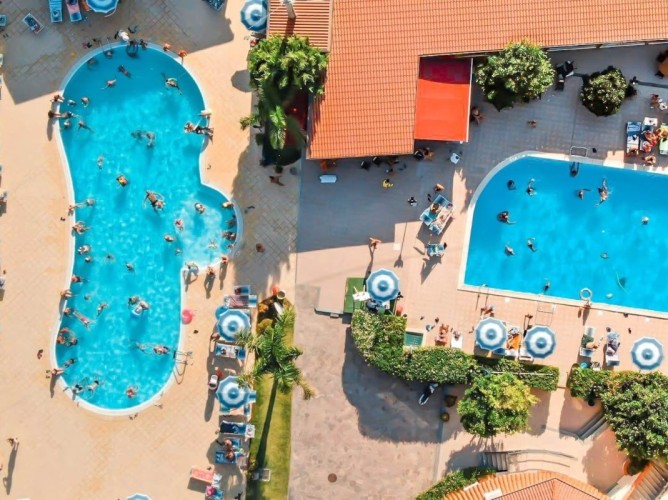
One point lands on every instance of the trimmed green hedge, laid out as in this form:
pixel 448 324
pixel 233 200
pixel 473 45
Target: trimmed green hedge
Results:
pixel 380 340
pixel 585 382
pixel 454 481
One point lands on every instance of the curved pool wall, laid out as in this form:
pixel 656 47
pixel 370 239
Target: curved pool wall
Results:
pixel 571 234
pixel 107 351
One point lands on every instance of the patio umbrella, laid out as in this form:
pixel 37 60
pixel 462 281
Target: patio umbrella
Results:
pixel 232 396
pixel 102 6
pixel 138 496
pixel 491 334
pixel 647 353
pixel 382 285
pixel 231 322
pixel 254 15
pixel 540 342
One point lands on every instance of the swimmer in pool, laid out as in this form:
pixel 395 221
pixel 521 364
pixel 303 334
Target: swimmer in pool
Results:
pixel 504 217
pixel 530 189
pixel 509 250
pixel 581 193
pixel 511 185
pixel 531 244
pixel 110 83
pixel 574 169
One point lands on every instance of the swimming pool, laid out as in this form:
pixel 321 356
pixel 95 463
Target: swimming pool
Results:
pixel 579 244
pixel 124 227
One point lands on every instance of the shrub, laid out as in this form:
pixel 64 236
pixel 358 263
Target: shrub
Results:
pixel 603 93
pixel 585 383
pixel 636 407
pixel 263 325
pixel 436 364
pixel 542 377
pixel 521 71
pixel 454 481
pixel 496 404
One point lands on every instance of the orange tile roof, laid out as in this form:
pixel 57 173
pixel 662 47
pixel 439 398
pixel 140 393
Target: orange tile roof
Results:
pixel 369 102
pixel 530 485
pixel 313 20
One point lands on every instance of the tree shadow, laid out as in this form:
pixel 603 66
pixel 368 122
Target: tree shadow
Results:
pixel 539 412
pixel 387 408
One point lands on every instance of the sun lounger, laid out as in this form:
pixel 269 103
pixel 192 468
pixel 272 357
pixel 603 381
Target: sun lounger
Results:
pixel 3 196
pixel 648 125
pixel 663 142
pixel 236 301
pixel 200 474
pixel 73 9
pixel 457 342
pixel 435 249
pixel 238 429
pixel 56 11
pixel 587 336
pixel 222 459
pixel 229 351
pixel 612 349
pixel 3 21
pixel 632 136
pixel 32 23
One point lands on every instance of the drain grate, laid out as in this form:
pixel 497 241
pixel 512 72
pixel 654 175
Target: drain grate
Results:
pixel 579 151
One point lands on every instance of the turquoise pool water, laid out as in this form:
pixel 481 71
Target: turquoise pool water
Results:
pixel 578 243
pixel 125 228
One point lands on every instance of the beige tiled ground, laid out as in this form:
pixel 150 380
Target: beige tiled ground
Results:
pixel 67 452
pixel 331 251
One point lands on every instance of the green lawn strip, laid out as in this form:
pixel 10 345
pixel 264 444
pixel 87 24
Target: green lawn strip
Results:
pixel 277 455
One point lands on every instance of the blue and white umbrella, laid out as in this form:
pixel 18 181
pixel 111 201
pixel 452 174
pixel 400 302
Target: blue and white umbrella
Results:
pixel 102 6
pixel 138 496
pixel 232 396
pixel 647 353
pixel 491 334
pixel 540 341
pixel 254 15
pixel 232 322
pixel 382 285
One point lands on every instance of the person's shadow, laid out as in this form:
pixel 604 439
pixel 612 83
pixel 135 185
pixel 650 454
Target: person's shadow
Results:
pixel 7 481
pixel 208 284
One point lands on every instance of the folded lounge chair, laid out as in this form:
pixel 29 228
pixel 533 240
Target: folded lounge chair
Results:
pixel 56 11
pixel 73 9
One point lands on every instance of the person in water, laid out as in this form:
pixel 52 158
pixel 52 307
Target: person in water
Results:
pixel 530 189
pixel 121 69
pixel 511 185
pixel 155 199
pixel 531 244
pixel 575 169
pixel 504 217
pixel 171 82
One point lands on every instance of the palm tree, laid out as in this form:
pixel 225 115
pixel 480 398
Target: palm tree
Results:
pixel 274 357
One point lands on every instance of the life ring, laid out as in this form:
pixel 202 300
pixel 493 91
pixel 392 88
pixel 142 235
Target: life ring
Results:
pixel 586 294
pixel 187 316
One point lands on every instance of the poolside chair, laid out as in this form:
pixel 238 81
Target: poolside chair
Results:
pixel 73 10
pixel 436 249
pixel 3 21
pixel 632 136
pixel 237 428
pixel 32 23
pixel 524 355
pixel 236 443
pixel 611 349
pixel 222 459
pixel 56 11
pixel 457 342
pixel 663 142
pixel 201 474
pixel 587 337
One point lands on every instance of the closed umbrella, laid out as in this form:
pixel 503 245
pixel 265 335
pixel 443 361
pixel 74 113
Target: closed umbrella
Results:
pixel 254 15
pixel 382 285
pixel 540 341
pixel 647 353
pixel 232 322
pixel 491 334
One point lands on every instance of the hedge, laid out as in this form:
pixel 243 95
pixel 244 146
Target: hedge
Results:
pixel 585 383
pixel 380 340
pixel 454 481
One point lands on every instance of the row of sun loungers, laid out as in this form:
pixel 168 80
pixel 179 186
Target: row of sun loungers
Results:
pixel 635 136
pixel 437 215
pixel 589 345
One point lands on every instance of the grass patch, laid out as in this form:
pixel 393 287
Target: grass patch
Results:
pixel 277 449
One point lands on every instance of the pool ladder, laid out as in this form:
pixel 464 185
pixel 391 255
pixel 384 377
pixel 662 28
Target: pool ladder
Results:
pixel 182 357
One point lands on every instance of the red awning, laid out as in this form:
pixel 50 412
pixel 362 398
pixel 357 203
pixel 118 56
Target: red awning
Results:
pixel 443 99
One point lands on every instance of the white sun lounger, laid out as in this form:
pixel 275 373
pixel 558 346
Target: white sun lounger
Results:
pixel 32 23
pixel 457 343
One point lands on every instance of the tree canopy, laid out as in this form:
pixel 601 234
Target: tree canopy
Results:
pixel 636 407
pixel 603 93
pixel 286 64
pixel 521 71
pixel 496 404
pixel 274 357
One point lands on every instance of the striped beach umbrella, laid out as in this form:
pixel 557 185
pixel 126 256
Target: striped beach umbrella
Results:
pixel 491 334
pixel 647 353
pixel 139 496
pixel 254 15
pixel 382 285
pixel 232 322
pixel 102 6
pixel 231 396
pixel 540 341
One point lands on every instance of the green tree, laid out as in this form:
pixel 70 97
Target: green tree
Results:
pixel 603 93
pixel 636 407
pixel 286 64
pixel 521 71
pixel 496 404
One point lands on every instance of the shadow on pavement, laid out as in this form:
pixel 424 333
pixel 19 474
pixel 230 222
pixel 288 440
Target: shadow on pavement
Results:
pixel 387 408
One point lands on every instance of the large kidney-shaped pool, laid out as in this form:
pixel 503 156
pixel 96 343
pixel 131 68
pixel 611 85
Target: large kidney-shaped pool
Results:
pixel 125 355
pixel 614 251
